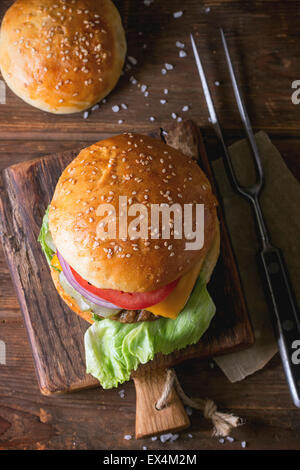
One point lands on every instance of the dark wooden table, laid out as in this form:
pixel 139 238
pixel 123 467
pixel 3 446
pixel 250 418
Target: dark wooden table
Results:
pixel 265 45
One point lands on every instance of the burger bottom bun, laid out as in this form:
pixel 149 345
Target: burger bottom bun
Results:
pixel 207 268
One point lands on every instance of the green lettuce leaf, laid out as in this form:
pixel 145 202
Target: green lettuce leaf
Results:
pixel 45 237
pixel 113 349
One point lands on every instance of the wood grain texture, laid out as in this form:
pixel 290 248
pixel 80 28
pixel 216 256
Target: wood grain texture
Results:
pixel 148 420
pixel 264 42
pixel 266 68
pixel 55 333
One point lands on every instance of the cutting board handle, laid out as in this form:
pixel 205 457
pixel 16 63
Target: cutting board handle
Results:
pixel 149 385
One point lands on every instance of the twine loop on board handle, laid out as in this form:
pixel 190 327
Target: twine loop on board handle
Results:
pixel 223 422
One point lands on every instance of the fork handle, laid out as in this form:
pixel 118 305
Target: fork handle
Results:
pixel 286 319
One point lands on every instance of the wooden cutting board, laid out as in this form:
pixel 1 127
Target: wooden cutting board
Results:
pixel 56 333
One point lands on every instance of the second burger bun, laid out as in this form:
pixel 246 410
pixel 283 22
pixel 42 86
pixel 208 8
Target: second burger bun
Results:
pixel 64 56
pixel 147 171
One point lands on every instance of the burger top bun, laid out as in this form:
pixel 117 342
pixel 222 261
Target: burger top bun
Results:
pixel 147 171
pixel 62 56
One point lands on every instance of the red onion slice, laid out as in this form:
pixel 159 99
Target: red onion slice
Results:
pixel 88 295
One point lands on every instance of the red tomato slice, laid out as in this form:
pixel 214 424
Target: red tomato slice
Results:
pixel 130 301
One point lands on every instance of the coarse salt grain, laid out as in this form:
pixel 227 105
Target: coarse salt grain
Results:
pixel 127 437
pixel 243 444
pixel 154 438
pixel 163 71
pixel 143 88
pixel 132 60
pixel 185 108
pixel 179 44
pixel 152 118
pixel 178 14
pixel 166 91
pixel 120 121
pixel 169 66
pixel 217 83
pixel 230 439
pixel 133 80
pixel 85 114
pixel 165 437
pixel 163 101
pixel 174 116
pixel 182 54
pixel 124 106
pixel 116 108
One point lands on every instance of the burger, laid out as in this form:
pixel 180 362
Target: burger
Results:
pixel 132 237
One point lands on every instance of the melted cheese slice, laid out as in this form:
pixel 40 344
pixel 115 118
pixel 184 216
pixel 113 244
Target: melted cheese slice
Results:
pixel 172 305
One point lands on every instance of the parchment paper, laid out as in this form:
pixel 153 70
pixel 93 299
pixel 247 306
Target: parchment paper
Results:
pixel 280 200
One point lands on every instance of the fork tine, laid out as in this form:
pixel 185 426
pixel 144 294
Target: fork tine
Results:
pixel 244 115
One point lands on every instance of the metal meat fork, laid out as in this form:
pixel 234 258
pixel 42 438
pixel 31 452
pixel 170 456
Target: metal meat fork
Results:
pixel 285 318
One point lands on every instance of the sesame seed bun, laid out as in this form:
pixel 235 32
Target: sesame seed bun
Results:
pixel 64 56
pixel 147 171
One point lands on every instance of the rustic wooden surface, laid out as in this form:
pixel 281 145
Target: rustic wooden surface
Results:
pixel 55 335
pixel 264 42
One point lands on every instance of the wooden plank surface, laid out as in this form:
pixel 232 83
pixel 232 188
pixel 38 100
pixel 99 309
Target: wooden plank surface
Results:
pixel 55 334
pixel 263 38
pixel 266 68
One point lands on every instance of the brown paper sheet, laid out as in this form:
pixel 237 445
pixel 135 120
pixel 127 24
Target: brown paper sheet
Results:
pixel 280 201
